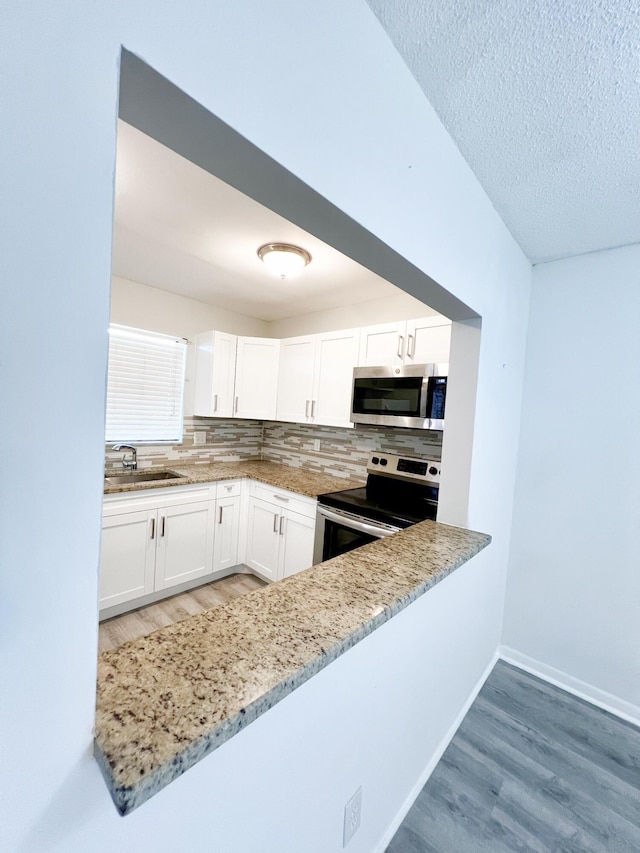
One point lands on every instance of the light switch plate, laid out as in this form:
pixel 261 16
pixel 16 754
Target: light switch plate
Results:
pixel 200 437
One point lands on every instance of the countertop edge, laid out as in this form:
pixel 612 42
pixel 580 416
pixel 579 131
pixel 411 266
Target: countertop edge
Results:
pixel 128 798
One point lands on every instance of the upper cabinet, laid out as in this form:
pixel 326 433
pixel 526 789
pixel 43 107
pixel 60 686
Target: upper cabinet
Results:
pixel 215 374
pixel 306 379
pixel 412 342
pixel 427 341
pixel 315 378
pixel 256 378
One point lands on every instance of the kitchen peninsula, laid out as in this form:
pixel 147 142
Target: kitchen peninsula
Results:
pixel 167 700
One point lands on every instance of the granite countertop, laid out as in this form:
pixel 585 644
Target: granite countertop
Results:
pixel 166 700
pixel 298 480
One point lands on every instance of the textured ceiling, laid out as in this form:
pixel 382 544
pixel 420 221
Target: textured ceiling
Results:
pixel 543 100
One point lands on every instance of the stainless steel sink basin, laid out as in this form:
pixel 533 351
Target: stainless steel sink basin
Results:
pixel 141 477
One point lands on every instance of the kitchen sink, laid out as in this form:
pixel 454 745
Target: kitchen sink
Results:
pixel 141 477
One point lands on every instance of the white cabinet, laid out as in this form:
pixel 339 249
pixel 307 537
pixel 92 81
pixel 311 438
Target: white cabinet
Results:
pixel 215 374
pixel 315 378
pixel 427 341
pixel 382 344
pixel 256 378
pixel 184 549
pixel 227 526
pixel 421 341
pixel 297 533
pixel 127 556
pixel 336 356
pixel 263 543
pixel 158 539
pixel 281 529
pixel 296 374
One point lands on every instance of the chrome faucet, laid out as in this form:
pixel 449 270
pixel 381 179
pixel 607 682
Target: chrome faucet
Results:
pixel 128 461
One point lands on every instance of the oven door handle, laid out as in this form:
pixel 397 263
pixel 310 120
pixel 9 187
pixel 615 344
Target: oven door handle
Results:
pixel 354 524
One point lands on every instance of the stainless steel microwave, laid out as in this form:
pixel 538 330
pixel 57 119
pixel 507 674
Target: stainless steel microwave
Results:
pixel 412 396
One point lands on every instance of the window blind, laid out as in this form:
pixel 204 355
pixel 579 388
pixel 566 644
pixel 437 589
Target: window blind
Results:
pixel 144 386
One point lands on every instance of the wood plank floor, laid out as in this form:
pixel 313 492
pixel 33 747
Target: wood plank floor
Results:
pixel 531 768
pixel 138 623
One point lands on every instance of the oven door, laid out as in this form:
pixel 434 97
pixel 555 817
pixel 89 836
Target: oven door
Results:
pixel 338 532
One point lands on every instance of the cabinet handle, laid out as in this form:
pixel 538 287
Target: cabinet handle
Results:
pixel 411 348
pixel 275 523
pixel 306 408
pixel 281 498
pixel 281 524
pixel 400 346
pixel 153 528
pixel 215 402
pixel 220 516
pixel 313 408
pixel 162 527
pixel 235 411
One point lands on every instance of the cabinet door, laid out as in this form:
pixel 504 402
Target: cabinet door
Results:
pixel 296 379
pixel 225 541
pixel 384 344
pixel 336 356
pixel 256 378
pixel 428 341
pixel 296 533
pixel 127 556
pixel 263 540
pixel 215 374
pixel 185 543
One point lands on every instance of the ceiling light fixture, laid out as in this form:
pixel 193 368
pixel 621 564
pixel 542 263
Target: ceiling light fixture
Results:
pixel 283 259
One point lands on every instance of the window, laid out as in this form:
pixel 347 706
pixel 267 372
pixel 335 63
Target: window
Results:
pixel 144 386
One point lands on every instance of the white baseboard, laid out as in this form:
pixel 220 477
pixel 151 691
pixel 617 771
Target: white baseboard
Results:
pixel 435 758
pixel 600 698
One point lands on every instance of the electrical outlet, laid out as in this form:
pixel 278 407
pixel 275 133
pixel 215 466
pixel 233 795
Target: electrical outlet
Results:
pixel 352 814
pixel 200 437
pixel 316 444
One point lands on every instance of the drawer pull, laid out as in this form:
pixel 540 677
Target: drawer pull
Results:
pixel 281 498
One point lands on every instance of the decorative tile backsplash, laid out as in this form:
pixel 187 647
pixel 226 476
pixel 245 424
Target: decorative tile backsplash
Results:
pixel 225 440
pixel 341 452
pixel 344 452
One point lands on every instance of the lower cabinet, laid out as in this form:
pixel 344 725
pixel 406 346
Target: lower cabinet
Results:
pixel 227 529
pixel 157 539
pixel 280 532
pixel 127 556
pixel 154 542
pixel 184 543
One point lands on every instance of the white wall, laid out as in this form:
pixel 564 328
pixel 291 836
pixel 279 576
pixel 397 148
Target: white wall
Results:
pixel 143 307
pixel 573 601
pixel 399 306
pixel 60 78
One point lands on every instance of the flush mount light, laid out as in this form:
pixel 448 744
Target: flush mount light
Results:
pixel 283 259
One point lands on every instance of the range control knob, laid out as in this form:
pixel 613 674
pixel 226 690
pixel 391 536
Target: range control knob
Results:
pixel 383 461
pixel 374 460
pixel 433 471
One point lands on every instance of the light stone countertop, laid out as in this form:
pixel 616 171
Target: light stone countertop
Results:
pixel 298 480
pixel 166 700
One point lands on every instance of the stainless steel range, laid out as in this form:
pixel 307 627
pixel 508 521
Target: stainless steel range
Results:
pixel 400 491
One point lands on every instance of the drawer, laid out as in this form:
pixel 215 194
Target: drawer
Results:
pixel 228 488
pixel 285 499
